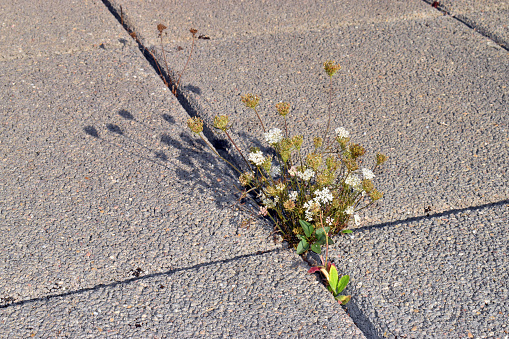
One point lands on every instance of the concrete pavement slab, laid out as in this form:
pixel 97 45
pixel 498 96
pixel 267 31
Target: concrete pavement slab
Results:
pixel 41 28
pixel 255 296
pixel 226 20
pixel 432 94
pixel 102 184
pixel 489 17
pixel 442 276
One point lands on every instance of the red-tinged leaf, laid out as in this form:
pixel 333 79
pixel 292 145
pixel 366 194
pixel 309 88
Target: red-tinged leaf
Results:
pixel 314 269
pixel 344 299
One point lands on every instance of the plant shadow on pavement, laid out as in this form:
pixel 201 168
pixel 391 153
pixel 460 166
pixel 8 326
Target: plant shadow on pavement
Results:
pixel 193 165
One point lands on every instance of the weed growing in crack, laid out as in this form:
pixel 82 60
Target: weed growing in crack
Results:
pixel 312 196
pixel 173 86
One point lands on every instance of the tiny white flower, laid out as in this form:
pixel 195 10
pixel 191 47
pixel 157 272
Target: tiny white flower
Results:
pixel 275 171
pixel 256 158
pixel 349 210
pixel 280 187
pixel 306 175
pixel 329 221
pixel 293 195
pixel 292 171
pixel 342 132
pixel 324 196
pixel 309 206
pixel 357 219
pixel 354 181
pixel 367 173
pixel 273 136
pixel 267 202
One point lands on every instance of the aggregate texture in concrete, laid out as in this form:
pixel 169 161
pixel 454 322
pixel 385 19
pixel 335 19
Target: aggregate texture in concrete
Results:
pixel 490 17
pixel 44 28
pixel 230 19
pixel 442 276
pixel 111 209
pixel 431 93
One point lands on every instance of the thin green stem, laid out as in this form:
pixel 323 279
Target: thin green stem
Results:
pixel 261 122
pixel 214 150
pixel 241 154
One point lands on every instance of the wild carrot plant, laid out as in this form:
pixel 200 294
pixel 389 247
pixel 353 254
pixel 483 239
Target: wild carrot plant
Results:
pixel 309 196
pixel 325 185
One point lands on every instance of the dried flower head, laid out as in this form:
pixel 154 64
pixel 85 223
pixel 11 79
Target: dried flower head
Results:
pixel 314 160
pixel 267 164
pixel 380 158
pixel 221 122
pixel 193 31
pixel 331 67
pixel 317 141
pixel 289 205
pixel 356 150
pixel 375 195
pixel 367 185
pixel 283 108
pixel 285 156
pixel 246 178
pixel 195 124
pixel 297 141
pixel 250 100
pixel 161 28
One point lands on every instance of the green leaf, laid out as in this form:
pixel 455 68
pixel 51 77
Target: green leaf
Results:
pixel 307 227
pixel 320 231
pixel 344 299
pixel 343 282
pixel 302 247
pixel 316 248
pixel 346 231
pixel 320 240
pixel 333 276
pixel 301 237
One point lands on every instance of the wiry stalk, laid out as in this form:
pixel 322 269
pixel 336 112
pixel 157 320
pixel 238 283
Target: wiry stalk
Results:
pixel 193 32
pixel 261 122
pixel 214 150
pixel 241 154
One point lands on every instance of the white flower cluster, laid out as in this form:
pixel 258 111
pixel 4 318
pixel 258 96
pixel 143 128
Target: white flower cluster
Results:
pixel 292 195
pixel 273 136
pixel 349 210
pixel 329 221
pixel 367 173
pixel 256 158
pixel 354 181
pixel 269 203
pixel 342 132
pixel 324 196
pixel 306 175
pixel 275 171
pixel 280 187
pixel 310 206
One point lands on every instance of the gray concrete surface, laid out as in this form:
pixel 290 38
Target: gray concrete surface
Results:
pixel 111 209
pixel 45 28
pixel 428 91
pixel 442 276
pixel 491 17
